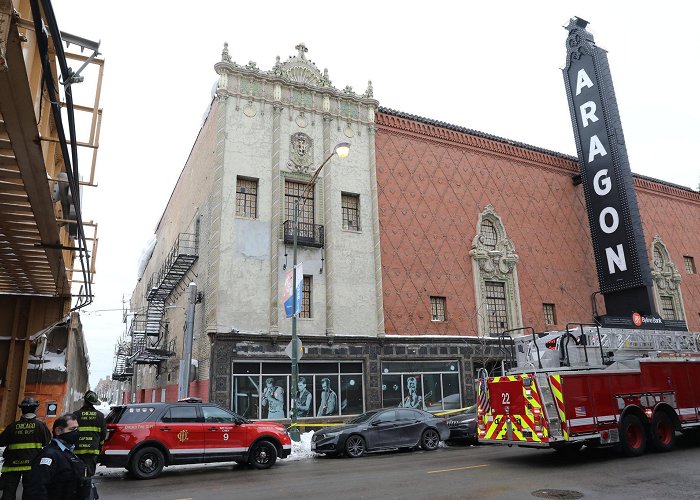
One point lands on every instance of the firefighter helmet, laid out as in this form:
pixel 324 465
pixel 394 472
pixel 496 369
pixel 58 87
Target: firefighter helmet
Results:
pixel 29 405
pixel 91 397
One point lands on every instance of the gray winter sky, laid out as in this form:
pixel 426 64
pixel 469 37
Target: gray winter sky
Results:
pixel 489 66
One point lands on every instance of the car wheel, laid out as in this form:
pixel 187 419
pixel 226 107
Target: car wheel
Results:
pixel 430 439
pixel 263 455
pixel 633 436
pixel 147 463
pixel 663 433
pixel 355 446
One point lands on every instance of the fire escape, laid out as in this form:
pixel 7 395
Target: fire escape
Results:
pixel 149 333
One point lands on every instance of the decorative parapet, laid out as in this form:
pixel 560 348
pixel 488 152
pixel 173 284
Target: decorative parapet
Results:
pixel 296 82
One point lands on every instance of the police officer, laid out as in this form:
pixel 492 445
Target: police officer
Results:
pixel 23 441
pixel 57 473
pixel 92 432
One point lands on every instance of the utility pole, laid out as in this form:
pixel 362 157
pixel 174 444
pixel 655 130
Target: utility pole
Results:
pixel 183 381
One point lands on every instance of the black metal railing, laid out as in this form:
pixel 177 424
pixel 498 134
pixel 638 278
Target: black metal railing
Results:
pixel 309 235
pixel 180 258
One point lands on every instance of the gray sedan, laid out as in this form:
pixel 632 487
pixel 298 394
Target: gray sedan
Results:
pixel 380 430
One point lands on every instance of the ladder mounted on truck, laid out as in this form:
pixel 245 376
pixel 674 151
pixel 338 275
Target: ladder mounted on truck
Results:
pixel 588 346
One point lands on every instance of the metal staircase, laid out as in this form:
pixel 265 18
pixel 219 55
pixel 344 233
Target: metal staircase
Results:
pixel 122 370
pixel 149 336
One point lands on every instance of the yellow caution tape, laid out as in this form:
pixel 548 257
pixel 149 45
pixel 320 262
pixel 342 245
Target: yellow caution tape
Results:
pixel 450 412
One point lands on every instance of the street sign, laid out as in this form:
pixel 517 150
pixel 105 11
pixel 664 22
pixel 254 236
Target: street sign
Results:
pixel 287 291
pixel 300 350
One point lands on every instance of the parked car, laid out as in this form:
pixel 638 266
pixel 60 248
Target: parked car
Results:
pixel 379 430
pixel 463 426
pixel 145 437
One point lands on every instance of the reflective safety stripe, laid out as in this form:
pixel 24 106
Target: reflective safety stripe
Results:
pixel 25 446
pixel 20 468
pixel 89 429
pixel 86 452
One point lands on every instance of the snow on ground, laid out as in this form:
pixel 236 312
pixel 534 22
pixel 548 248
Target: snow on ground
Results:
pixel 302 449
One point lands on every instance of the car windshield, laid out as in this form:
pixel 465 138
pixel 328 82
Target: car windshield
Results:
pixel 364 417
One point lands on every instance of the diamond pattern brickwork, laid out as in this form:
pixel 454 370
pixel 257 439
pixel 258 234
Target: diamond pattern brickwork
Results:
pixel 674 215
pixel 432 187
pixel 434 180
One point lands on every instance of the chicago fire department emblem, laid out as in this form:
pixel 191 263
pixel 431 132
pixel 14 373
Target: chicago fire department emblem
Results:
pixel 183 435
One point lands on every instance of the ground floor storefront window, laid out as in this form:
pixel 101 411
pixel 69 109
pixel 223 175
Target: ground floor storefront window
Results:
pixel 261 389
pixel 428 385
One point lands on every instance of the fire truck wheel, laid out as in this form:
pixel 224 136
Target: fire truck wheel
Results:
pixel 663 434
pixel 633 436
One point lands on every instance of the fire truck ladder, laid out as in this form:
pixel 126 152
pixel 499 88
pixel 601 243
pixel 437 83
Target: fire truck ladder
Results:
pixel 584 345
pixel 549 405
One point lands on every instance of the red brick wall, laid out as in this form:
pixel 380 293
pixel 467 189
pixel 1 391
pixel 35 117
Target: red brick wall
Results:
pixel 674 215
pixel 198 389
pixel 432 185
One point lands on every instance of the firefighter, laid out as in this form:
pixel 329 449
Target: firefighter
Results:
pixel 92 432
pixel 23 440
pixel 57 473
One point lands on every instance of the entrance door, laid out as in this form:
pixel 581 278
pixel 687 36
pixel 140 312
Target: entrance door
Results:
pixel 182 431
pixel 225 436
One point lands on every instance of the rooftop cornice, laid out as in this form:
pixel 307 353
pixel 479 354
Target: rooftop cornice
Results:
pixel 297 71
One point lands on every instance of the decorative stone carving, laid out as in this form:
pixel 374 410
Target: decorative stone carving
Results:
pixel 494 260
pixel 666 278
pixel 301 152
pixel 299 69
pixel 494 263
pixel 369 93
pixel 225 57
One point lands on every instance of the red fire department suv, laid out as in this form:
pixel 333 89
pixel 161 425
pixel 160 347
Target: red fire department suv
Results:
pixel 145 437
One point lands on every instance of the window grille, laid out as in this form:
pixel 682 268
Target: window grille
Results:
pixel 550 317
pixel 488 234
pixel 306 298
pixel 496 307
pixel 689 265
pixel 292 192
pixel 246 197
pixel 668 311
pixel 438 310
pixel 350 207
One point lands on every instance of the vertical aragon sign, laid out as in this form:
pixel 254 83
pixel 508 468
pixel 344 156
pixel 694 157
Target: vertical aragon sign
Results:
pixel 618 241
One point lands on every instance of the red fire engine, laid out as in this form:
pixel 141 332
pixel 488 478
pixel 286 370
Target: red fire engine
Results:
pixel 592 386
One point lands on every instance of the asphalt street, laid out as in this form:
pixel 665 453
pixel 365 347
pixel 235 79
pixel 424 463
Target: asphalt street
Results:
pixel 454 472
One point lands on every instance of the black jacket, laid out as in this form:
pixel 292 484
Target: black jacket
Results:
pixel 92 430
pixel 57 475
pixel 23 440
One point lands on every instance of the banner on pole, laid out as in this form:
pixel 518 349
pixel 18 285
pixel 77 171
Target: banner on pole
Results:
pixel 287 291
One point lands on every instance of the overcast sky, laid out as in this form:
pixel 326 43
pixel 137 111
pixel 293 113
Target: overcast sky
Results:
pixel 489 66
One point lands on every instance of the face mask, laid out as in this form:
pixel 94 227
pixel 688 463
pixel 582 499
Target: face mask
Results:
pixel 70 438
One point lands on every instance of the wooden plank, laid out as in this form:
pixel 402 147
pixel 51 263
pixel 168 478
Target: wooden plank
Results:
pixel 17 108
pixel 9 173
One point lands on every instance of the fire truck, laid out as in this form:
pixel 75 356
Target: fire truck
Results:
pixel 592 386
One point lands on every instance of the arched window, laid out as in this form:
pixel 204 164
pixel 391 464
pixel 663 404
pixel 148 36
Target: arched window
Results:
pixel 667 283
pixel 495 276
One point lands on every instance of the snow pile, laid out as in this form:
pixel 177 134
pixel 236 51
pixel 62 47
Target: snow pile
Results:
pixel 50 361
pixel 104 407
pixel 302 449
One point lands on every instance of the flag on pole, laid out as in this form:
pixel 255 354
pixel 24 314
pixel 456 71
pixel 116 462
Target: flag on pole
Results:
pixel 483 391
pixel 287 290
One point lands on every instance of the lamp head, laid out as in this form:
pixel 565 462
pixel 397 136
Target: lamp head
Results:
pixel 342 149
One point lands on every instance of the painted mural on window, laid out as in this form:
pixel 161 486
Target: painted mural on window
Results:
pixel 427 385
pixel 261 390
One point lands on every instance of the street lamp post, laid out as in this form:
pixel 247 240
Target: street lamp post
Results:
pixel 342 150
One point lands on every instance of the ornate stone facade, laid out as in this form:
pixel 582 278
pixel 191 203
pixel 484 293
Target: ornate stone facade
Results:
pixel 667 281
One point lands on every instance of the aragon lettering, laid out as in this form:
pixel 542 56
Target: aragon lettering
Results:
pixel 608 218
